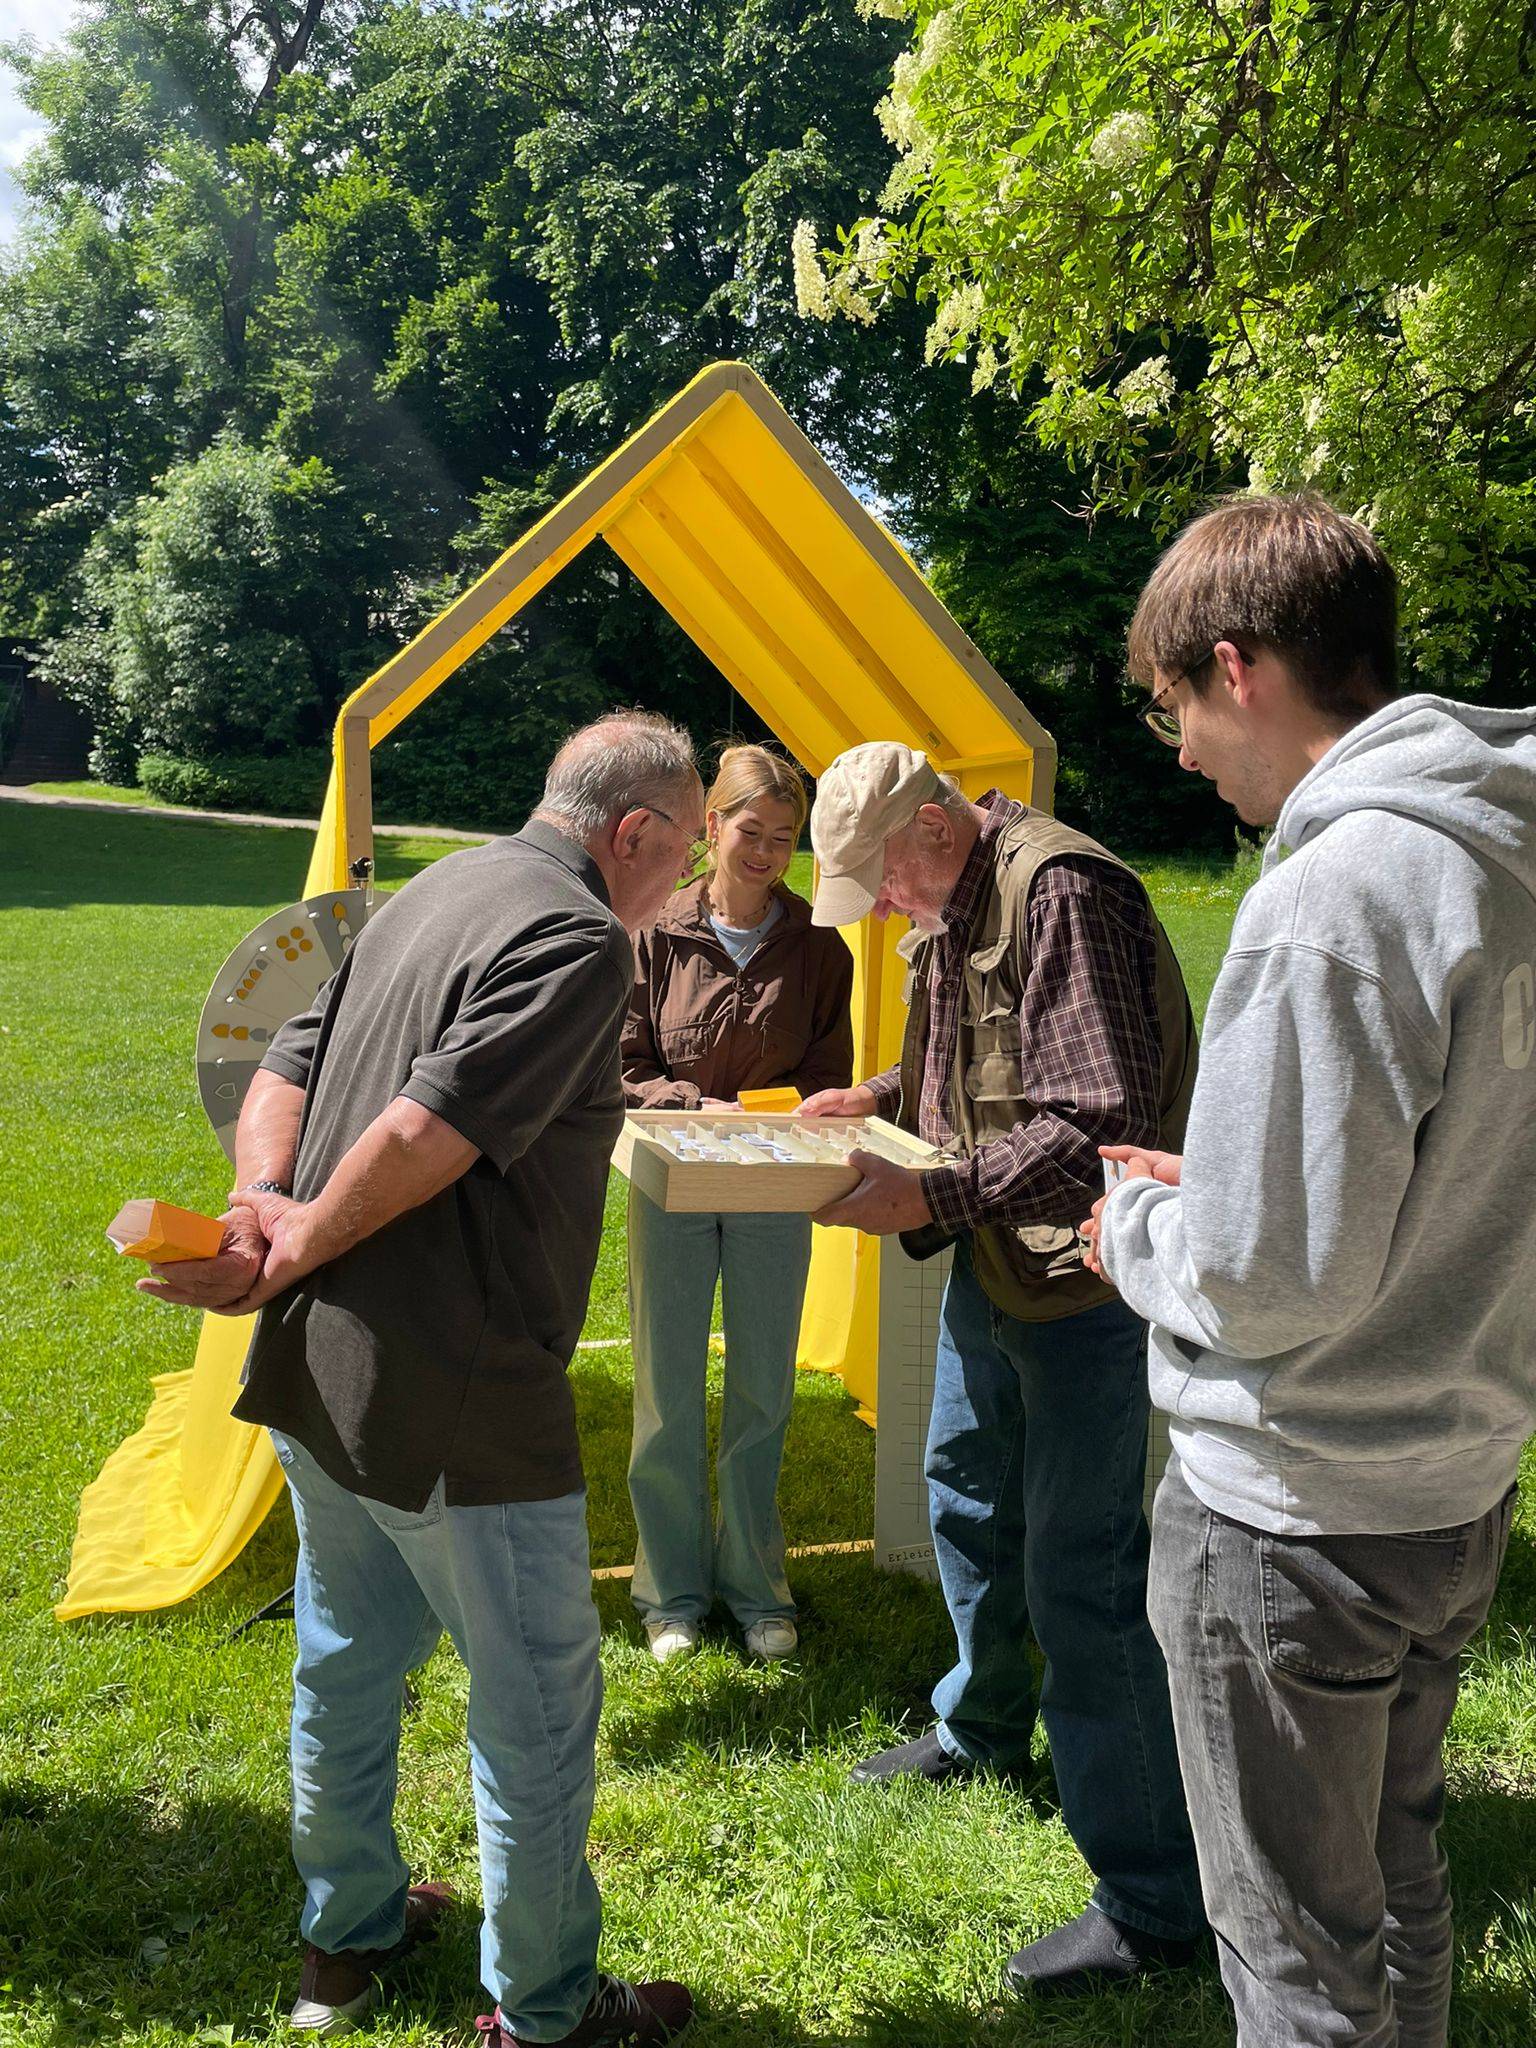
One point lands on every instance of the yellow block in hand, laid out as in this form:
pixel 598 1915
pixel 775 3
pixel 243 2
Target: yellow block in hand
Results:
pixel 769 1101
pixel 161 1233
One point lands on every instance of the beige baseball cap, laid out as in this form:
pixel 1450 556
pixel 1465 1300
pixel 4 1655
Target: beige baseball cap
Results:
pixel 862 798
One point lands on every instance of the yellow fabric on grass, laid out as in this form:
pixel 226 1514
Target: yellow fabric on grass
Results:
pixel 181 1498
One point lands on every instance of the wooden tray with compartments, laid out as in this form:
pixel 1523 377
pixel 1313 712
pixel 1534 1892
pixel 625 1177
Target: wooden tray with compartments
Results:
pixel 731 1160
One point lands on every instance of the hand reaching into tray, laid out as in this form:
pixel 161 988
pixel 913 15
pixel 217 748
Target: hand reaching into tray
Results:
pixel 856 1101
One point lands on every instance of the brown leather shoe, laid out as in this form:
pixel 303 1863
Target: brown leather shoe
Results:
pixel 335 1991
pixel 620 2015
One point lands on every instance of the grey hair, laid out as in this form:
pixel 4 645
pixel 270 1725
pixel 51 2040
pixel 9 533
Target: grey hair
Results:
pixel 627 761
pixel 951 797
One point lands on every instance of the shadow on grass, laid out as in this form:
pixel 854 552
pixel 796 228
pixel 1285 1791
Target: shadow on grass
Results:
pixel 1489 1836
pixel 1183 2009
pixel 118 1912
pixel 872 1645
pixel 1490 1840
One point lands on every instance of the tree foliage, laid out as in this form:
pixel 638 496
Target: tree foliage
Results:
pixel 1266 242
pixel 321 305
pixel 222 612
pixel 426 263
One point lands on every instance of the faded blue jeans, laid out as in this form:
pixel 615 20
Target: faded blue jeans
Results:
pixel 1036 1465
pixel 512 1585
pixel 760 1261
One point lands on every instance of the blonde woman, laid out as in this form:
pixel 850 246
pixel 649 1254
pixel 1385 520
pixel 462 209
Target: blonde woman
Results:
pixel 735 988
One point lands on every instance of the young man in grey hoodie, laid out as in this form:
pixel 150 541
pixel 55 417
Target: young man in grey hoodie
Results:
pixel 1338 1271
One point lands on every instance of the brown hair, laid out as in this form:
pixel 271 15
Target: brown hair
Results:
pixel 747 774
pixel 1288 574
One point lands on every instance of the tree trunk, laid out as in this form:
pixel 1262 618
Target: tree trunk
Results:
pixel 288 53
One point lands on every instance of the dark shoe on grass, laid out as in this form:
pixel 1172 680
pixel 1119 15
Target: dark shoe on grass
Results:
pixel 1092 1953
pixel 335 1992
pixel 924 1757
pixel 620 2015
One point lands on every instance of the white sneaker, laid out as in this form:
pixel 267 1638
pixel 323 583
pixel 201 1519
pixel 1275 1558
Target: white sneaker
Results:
pixel 669 1638
pixel 773 1639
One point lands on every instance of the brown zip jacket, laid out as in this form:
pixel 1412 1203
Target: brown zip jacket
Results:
pixel 698 1025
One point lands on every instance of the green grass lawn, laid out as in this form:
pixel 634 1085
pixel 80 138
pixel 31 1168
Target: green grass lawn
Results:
pixel 146 1895
pixel 97 792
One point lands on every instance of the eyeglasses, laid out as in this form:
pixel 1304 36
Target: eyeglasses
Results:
pixel 697 848
pixel 1165 725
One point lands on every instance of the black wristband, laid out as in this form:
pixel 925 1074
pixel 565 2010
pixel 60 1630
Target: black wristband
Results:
pixel 265 1187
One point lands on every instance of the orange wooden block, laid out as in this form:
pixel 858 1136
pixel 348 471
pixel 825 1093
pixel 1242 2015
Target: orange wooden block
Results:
pixel 770 1101
pixel 161 1233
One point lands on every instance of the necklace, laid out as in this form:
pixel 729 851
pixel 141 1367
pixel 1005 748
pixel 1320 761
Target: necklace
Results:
pixel 735 924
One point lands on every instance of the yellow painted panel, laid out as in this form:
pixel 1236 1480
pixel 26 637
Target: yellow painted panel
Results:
pixel 752 643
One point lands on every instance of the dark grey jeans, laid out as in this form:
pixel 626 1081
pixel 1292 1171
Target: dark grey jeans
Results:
pixel 1313 1679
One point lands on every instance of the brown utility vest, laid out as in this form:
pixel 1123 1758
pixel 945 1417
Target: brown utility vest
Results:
pixel 1034 1271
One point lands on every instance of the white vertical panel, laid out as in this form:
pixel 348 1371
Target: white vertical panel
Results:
pixel 910 1293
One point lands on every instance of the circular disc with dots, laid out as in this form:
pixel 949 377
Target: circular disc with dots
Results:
pixel 271 976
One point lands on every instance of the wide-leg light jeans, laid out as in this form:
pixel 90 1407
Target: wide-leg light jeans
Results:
pixel 512 1586
pixel 684 1560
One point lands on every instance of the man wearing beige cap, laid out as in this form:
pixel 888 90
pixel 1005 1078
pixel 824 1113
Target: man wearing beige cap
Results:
pixel 1047 1016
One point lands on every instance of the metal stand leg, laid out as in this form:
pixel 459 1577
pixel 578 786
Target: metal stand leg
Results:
pixel 280 1609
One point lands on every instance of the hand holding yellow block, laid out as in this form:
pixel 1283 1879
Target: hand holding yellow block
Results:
pixel 769 1101
pixel 161 1233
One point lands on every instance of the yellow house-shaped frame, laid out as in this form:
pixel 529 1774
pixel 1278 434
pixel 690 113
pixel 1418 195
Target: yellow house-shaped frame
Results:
pixel 731 519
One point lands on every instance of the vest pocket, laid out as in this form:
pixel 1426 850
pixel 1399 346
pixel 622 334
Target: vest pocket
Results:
pixel 993 1072
pixel 989 1002
pixel 1049 1249
pixel 1034 1254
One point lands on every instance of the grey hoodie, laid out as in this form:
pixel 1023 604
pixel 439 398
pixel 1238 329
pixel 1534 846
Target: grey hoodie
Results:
pixel 1343 1290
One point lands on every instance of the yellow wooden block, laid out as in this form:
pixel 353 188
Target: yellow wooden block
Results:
pixel 770 1101
pixel 163 1234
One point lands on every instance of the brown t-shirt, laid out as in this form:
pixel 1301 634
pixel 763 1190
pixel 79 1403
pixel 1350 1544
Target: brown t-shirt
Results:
pixel 491 989
pixel 700 1025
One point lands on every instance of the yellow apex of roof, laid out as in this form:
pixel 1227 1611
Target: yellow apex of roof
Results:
pixel 793 589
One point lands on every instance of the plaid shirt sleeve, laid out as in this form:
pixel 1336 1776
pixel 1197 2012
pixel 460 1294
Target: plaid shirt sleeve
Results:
pixel 1091 1056
pixel 886 1089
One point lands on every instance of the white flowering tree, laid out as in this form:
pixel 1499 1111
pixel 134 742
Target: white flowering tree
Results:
pixel 1280 242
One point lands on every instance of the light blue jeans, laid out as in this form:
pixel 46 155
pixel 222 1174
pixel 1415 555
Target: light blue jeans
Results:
pixel 512 1585
pixel 674 1262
